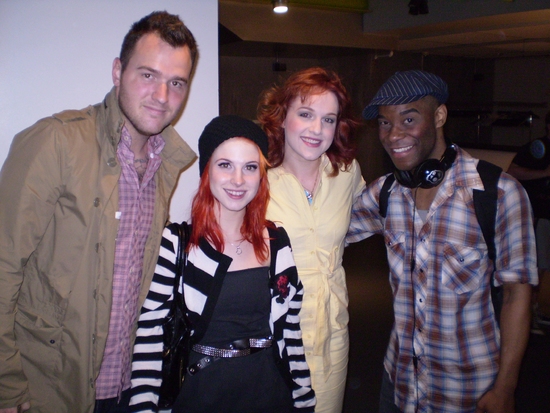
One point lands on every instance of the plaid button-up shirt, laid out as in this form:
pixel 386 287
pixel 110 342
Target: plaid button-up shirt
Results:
pixel 442 303
pixel 136 207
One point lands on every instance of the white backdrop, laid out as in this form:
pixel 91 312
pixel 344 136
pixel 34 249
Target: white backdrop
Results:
pixel 57 55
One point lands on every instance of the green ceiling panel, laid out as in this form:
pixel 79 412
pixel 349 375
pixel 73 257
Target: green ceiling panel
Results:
pixel 344 5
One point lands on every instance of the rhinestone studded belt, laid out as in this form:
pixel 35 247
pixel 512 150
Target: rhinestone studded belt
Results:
pixel 237 348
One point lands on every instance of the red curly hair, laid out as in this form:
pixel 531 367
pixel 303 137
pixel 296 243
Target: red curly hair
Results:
pixel 205 224
pixel 274 104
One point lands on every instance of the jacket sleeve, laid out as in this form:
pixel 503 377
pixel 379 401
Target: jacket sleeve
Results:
pixel 286 305
pixel 147 360
pixel 30 184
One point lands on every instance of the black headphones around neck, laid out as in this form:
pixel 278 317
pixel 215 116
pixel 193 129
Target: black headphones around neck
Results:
pixel 429 173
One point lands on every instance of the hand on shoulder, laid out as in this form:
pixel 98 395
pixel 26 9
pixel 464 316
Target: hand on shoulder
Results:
pixel 19 409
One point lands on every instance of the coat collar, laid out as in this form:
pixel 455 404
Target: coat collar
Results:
pixel 176 151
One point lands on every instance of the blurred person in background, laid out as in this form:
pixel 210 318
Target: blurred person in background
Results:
pixel 531 166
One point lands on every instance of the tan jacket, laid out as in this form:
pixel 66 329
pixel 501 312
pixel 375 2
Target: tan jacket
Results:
pixel 58 198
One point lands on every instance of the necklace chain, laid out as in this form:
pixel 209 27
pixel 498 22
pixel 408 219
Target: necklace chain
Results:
pixel 309 194
pixel 238 249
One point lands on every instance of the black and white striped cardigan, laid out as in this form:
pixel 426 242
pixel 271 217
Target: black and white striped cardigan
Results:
pixel 203 277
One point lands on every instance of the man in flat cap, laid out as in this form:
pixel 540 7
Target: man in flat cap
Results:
pixel 447 352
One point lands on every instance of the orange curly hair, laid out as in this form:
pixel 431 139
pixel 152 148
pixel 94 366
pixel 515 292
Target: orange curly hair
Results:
pixel 274 104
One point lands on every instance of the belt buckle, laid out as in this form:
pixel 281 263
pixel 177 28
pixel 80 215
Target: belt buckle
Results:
pixel 242 344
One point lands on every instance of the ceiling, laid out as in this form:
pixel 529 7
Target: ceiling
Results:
pixel 465 28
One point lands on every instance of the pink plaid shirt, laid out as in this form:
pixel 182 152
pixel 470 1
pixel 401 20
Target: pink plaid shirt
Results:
pixel 136 207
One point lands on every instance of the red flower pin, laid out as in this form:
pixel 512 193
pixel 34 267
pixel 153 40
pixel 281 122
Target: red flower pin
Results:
pixel 282 288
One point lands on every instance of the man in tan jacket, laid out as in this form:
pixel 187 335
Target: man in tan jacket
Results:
pixel 84 200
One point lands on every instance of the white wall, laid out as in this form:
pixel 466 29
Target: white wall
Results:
pixel 57 55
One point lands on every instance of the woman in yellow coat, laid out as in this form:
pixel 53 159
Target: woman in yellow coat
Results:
pixel 313 182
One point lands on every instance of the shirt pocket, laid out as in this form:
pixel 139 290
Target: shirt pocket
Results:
pixel 460 270
pixel 396 250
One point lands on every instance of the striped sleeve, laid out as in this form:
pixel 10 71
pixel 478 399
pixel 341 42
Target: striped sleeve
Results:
pixel 286 325
pixel 147 359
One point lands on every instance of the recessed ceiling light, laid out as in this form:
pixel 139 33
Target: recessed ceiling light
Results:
pixel 280 6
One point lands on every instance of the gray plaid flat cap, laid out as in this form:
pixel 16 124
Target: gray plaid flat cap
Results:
pixel 407 87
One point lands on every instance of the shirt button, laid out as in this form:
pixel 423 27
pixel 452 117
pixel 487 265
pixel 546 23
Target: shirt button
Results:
pixel 112 162
pixel 96 202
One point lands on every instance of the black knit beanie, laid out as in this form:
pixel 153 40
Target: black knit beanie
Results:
pixel 226 127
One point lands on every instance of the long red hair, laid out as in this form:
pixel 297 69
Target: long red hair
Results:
pixel 274 104
pixel 205 224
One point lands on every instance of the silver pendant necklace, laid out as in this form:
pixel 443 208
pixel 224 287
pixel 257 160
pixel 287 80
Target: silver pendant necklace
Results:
pixel 238 249
pixel 309 194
